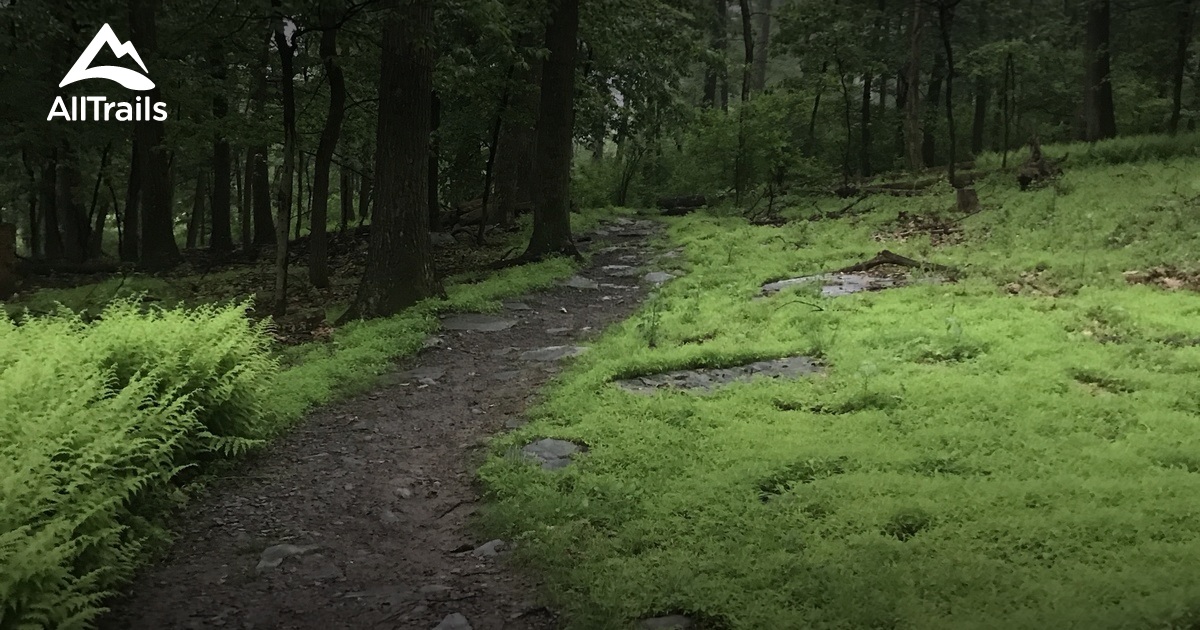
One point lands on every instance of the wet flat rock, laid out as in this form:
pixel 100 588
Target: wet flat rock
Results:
pixel 834 284
pixel 551 453
pixel 708 379
pixel 477 322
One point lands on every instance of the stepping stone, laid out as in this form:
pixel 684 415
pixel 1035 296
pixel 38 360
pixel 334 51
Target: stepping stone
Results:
pixel 553 353
pixel 454 621
pixel 579 282
pixel 274 555
pixel 620 271
pixel 517 306
pixel 489 549
pixel 670 622
pixel 835 284
pixel 658 277
pixel 552 453
pixel 477 322
pixel 708 379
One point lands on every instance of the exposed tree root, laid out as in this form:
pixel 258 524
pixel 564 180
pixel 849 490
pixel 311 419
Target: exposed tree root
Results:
pixel 887 257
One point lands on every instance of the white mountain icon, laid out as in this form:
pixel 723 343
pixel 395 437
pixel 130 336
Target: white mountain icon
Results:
pixel 131 79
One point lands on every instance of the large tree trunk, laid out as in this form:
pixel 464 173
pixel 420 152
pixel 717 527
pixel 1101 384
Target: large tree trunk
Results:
pixel 1098 113
pixel 159 250
pixel 287 51
pixel 318 265
pixel 912 84
pixel 716 76
pixel 222 230
pixel 758 74
pixel 399 269
pixel 1183 38
pixel 435 151
pixel 130 221
pixel 556 113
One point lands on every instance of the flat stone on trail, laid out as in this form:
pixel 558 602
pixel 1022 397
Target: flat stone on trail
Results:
pixel 274 555
pixel 489 549
pixel 620 271
pixel 552 453
pixel 835 284
pixel 477 322
pixel 670 622
pixel 658 277
pixel 553 353
pixel 579 282
pixel 454 621
pixel 706 379
pixel 517 306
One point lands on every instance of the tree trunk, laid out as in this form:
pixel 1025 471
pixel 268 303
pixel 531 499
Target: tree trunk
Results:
pixel 222 230
pixel 318 265
pixel 258 173
pixel 517 143
pixel 399 269
pixel 758 74
pixel 71 217
pixel 934 97
pixel 552 201
pixel 435 151
pixel 716 76
pixel 245 178
pixel 1098 112
pixel 365 187
pixel 33 238
pixel 946 22
pixel 346 195
pixel 48 193
pixel 159 250
pixel 97 214
pixel 748 45
pixel 979 122
pixel 1183 39
pixel 912 83
pixel 196 221
pixel 129 219
pixel 287 52
pixel 864 145
pixel 298 196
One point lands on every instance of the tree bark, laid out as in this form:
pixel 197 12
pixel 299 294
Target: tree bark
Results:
pixel 1098 113
pixel 287 52
pixel 318 264
pixel 48 194
pixel 365 187
pixel 946 22
pixel 517 143
pixel 258 174
pixel 399 270
pixel 33 239
pixel 934 97
pixel 196 220
pixel 129 219
pixel 1184 22
pixel 435 150
pixel 979 122
pixel 346 195
pixel 71 217
pixel 222 229
pixel 748 45
pixel 552 202
pixel 245 174
pixel 758 75
pixel 912 97
pixel 864 145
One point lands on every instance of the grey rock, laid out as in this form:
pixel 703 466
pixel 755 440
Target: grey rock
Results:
pixel 620 271
pixel 579 282
pixel 434 591
pixel 670 622
pixel 552 353
pixel 477 322
pixel 432 341
pixel 552 453
pixel 658 277
pixel 517 306
pixel 489 549
pixel 503 352
pixel 454 621
pixel 558 331
pixel 442 239
pixel 274 555
pixel 838 284
pixel 432 373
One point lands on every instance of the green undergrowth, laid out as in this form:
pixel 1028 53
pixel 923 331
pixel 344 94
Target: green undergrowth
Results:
pixel 1121 150
pixel 108 422
pixel 969 458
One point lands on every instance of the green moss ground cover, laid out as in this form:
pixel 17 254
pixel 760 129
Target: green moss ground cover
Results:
pixel 971 458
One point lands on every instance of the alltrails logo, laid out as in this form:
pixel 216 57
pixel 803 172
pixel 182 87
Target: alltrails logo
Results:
pixel 142 109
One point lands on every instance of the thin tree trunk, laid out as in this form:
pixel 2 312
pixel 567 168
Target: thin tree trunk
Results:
pixel 283 211
pixel 257 171
pixel 716 76
pixel 864 145
pixel 758 75
pixel 435 151
pixel 245 177
pixel 71 217
pixel 979 122
pixel 399 269
pixel 485 213
pixel 912 82
pixel 33 238
pixel 552 204
pixel 365 186
pixel 48 192
pixel 934 97
pixel 346 195
pixel 946 22
pixel 748 44
pixel 299 195
pixel 195 225
pixel 318 265
pixel 159 250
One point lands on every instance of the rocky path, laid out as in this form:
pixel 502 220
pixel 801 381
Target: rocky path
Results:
pixel 357 519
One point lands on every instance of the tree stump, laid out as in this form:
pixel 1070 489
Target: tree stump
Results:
pixel 8 260
pixel 967 199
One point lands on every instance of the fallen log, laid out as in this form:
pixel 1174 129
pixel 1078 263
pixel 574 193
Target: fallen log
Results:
pixel 887 257
pixel 679 206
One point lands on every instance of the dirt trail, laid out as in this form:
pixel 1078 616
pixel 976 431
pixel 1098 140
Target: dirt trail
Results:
pixel 367 501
